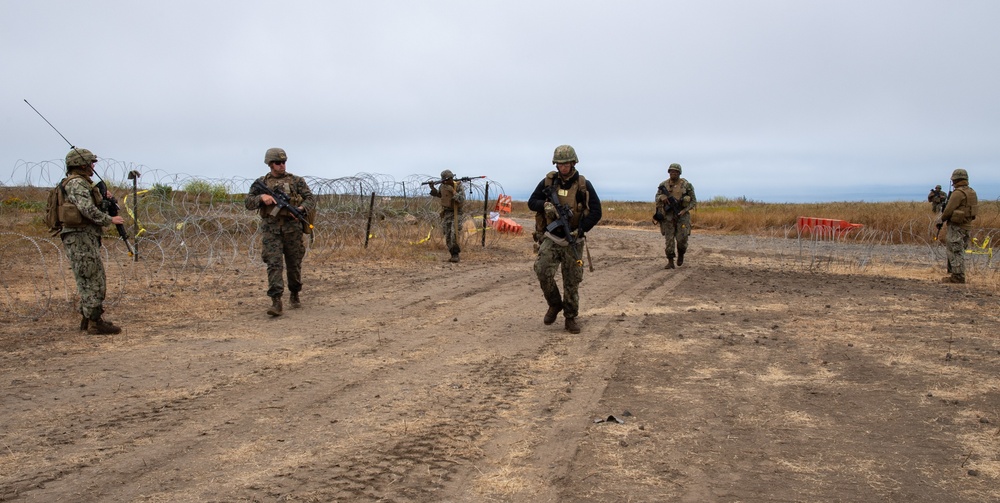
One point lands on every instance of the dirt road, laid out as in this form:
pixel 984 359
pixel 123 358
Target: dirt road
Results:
pixel 736 380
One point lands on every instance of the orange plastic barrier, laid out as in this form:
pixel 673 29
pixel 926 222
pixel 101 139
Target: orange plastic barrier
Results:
pixel 825 226
pixel 504 205
pixel 507 225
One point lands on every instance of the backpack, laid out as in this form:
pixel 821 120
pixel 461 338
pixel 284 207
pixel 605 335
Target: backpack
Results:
pixel 52 222
pixel 57 209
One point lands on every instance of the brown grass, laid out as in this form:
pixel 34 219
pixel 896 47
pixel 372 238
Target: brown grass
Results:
pixel 740 216
pixel 21 210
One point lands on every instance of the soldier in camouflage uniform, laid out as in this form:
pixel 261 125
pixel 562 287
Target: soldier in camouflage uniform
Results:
pixel 937 198
pixel 452 200
pixel 963 204
pixel 82 220
pixel 554 251
pixel 674 202
pixel 282 234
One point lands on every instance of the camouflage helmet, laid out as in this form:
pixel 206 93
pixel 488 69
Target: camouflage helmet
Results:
pixel 275 155
pixel 564 154
pixel 675 167
pixel 937 187
pixel 959 174
pixel 447 175
pixel 80 157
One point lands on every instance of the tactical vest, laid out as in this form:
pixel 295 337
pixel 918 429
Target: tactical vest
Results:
pixel 677 191
pixel 967 209
pixel 455 194
pixel 575 196
pixel 287 185
pixel 69 215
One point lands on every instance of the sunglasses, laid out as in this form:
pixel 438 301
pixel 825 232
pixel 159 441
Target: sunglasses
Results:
pixel 278 162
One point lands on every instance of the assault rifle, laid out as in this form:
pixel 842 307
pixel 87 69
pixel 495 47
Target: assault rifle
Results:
pixel 283 201
pixel 565 215
pixel 110 206
pixel 672 204
pixel 939 225
pixel 463 179
pixel 109 203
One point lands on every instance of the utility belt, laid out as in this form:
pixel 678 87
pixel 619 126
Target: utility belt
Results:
pixel 563 241
pixel 279 218
pixel 960 217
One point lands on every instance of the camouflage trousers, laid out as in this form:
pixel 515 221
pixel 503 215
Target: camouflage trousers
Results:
pixel 957 240
pixel 448 229
pixel 552 257
pixel 83 249
pixel 282 250
pixel 676 231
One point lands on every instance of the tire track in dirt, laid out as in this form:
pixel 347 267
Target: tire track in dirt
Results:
pixel 440 383
pixel 239 403
pixel 466 395
pixel 527 460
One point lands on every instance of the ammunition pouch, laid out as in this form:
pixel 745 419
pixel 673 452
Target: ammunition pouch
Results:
pixel 658 216
pixel 311 219
pixel 70 216
pixel 958 217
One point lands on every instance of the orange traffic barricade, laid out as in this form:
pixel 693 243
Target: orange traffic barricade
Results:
pixel 830 227
pixel 504 205
pixel 500 222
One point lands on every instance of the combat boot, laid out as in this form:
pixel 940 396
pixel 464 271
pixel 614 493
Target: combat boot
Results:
pixel 102 327
pixel 571 326
pixel 680 259
pixel 275 309
pixel 954 278
pixel 454 258
pixel 294 299
pixel 84 323
pixel 550 315
pixel 670 263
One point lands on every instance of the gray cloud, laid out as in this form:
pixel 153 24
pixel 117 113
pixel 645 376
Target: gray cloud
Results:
pixel 772 100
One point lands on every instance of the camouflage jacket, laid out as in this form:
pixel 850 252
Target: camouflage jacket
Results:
pixel 81 192
pixel 963 204
pixel 450 193
pixel 936 196
pixel 681 190
pixel 295 186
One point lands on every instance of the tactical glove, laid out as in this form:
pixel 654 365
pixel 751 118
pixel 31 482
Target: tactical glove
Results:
pixel 550 211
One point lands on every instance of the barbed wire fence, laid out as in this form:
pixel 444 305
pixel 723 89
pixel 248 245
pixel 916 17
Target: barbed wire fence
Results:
pixel 194 233
pixel 916 245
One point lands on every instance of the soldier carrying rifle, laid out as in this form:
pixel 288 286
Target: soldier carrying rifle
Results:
pixel 82 214
pixel 562 238
pixel 937 198
pixel 963 204
pixel 282 199
pixel 674 202
pixel 452 196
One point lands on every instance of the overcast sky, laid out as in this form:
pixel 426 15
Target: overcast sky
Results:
pixel 783 100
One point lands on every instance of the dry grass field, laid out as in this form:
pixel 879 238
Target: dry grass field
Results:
pixel 767 368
